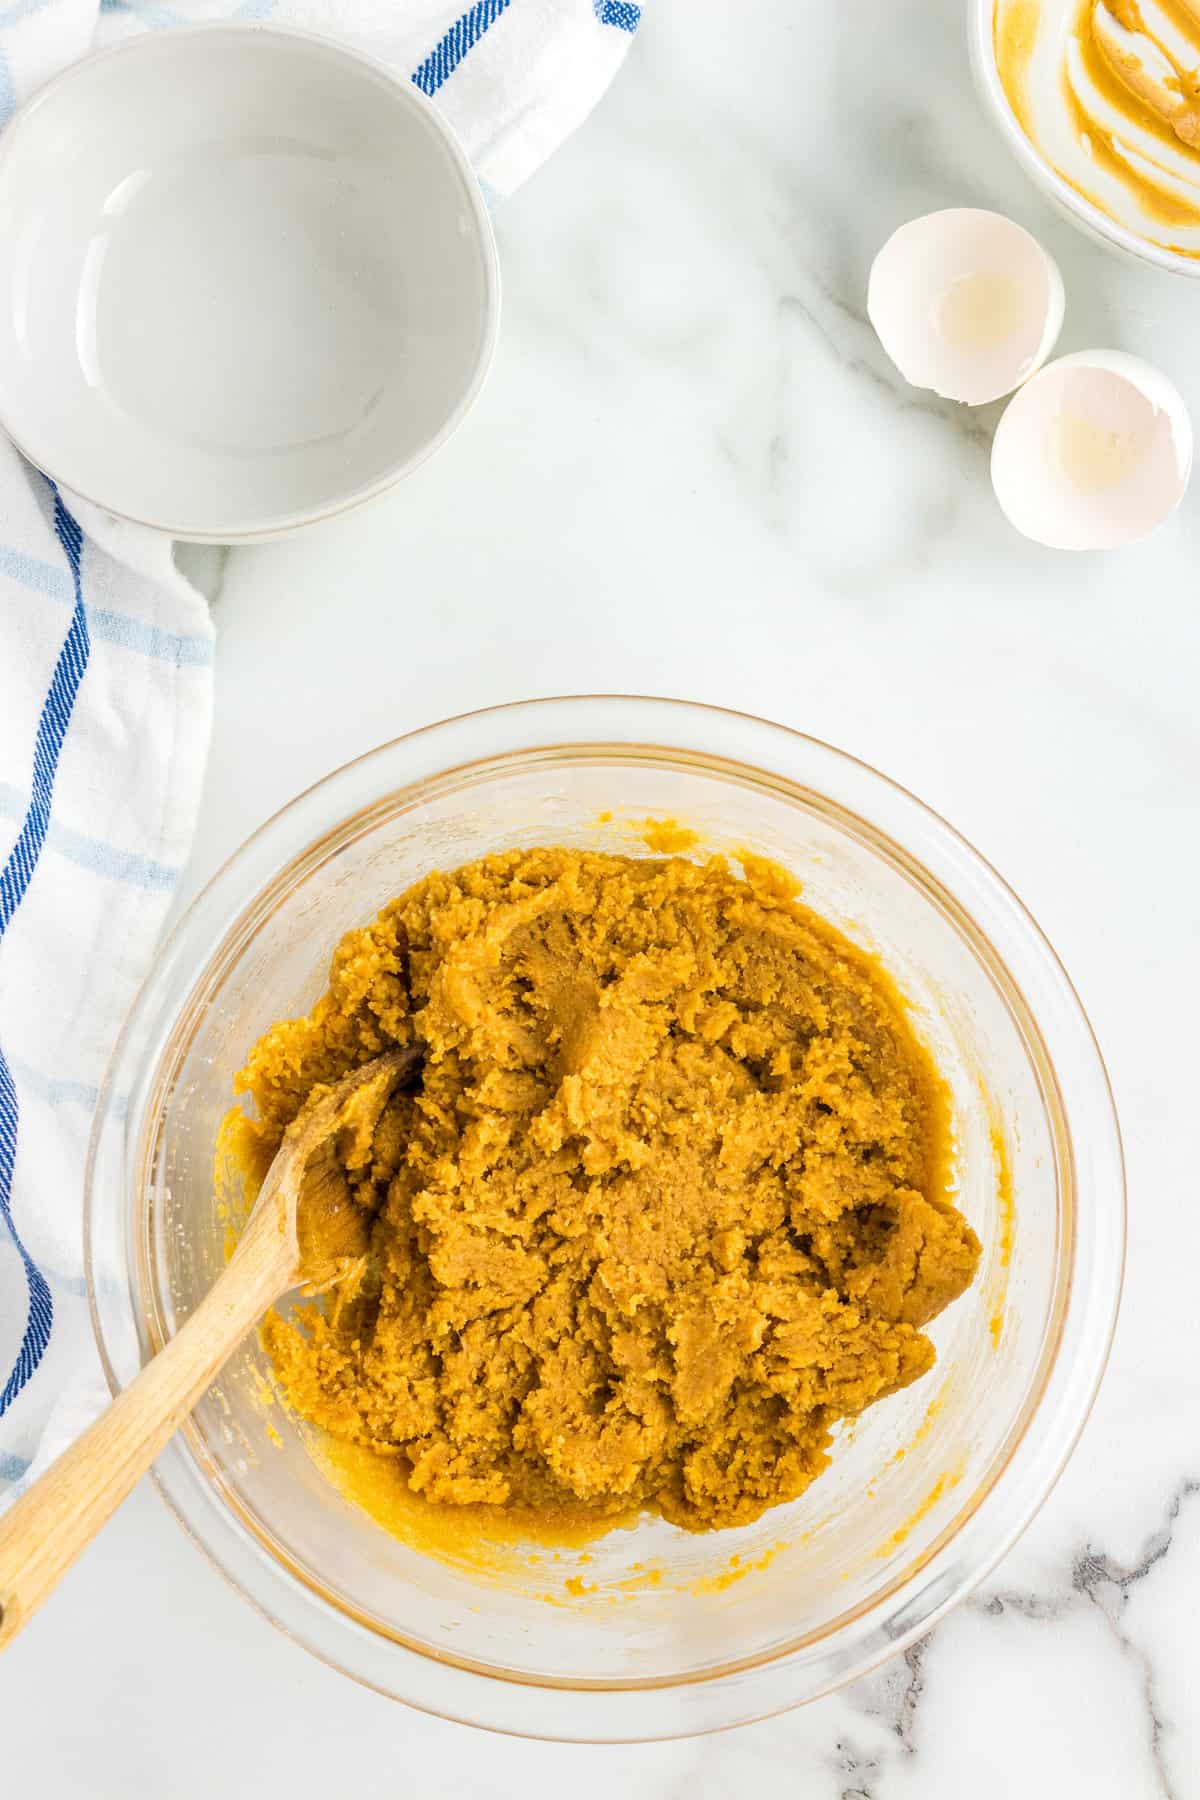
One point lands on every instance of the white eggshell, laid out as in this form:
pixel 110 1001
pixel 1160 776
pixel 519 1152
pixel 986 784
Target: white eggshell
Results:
pixel 965 302
pixel 1093 453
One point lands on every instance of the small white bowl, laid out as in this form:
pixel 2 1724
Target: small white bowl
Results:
pixel 247 281
pixel 1089 218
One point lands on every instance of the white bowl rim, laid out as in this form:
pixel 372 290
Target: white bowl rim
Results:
pixel 280 524
pixel 981 24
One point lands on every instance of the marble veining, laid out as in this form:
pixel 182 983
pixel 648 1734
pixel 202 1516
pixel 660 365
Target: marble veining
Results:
pixel 1093 1579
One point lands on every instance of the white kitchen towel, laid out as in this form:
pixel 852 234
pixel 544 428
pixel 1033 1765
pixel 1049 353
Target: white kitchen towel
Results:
pixel 106 676
pixel 513 77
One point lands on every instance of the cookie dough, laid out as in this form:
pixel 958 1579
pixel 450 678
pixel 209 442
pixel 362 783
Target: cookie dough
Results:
pixel 666 1201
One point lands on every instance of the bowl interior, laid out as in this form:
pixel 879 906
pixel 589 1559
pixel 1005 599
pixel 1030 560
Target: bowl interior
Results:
pixel 649 1604
pixel 1041 130
pixel 245 278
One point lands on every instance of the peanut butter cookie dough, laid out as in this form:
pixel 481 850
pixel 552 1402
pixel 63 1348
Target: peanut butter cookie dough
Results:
pixel 665 1203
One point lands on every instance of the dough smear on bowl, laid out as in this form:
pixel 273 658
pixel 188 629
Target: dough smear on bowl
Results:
pixel 667 1200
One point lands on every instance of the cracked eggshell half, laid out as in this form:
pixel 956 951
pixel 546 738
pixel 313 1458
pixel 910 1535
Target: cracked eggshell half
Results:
pixel 966 303
pixel 1093 453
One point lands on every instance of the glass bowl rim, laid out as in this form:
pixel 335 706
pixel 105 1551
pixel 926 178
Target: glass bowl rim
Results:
pixel 1093 1315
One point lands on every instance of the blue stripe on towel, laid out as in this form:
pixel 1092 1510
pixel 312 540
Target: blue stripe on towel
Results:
pixel 148 640
pixel 14 884
pixel 41 577
pixel 52 1091
pixel 93 853
pixel 52 729
pixel 445 57
pixel 40 1316
pixel 177 648
pixel 8 95
pixel 155 18
pixel 12 1467
pixel 621 13
pixel 19 9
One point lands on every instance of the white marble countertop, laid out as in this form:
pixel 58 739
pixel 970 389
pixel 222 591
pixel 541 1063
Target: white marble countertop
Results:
pixel 690 426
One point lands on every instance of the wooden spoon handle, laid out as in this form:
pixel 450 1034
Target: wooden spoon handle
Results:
pixel 44 1532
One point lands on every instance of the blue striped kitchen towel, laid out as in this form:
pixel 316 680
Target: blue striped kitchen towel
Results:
pixel 106 677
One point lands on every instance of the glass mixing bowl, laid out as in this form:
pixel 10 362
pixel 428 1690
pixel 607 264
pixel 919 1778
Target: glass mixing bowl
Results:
pixel 650 1632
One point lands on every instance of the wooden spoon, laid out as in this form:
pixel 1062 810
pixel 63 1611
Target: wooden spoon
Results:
pixel 289 1241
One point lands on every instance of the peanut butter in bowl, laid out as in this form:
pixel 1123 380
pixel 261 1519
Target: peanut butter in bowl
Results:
pixel 1108 94
pixel 668 1199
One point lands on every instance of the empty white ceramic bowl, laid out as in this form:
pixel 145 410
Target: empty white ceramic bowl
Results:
pixel 247 280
